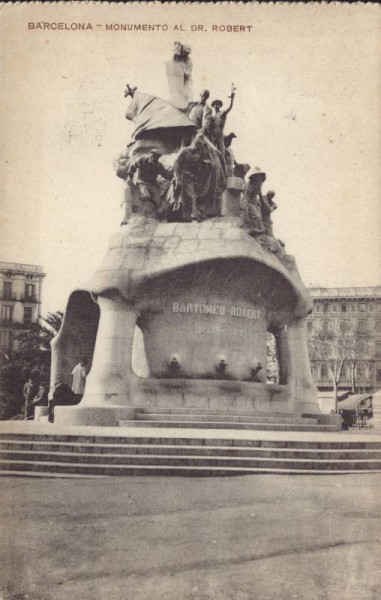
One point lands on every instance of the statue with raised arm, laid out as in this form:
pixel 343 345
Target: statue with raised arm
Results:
pixel 218 122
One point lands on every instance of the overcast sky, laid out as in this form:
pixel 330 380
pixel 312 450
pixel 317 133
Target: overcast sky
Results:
pixel 307 111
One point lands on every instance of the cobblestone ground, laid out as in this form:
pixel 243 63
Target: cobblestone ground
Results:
pixel 242 538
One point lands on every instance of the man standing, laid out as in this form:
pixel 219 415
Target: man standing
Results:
pixel 218 125
pixel 79 379
pixel 201 113
pixel 30 391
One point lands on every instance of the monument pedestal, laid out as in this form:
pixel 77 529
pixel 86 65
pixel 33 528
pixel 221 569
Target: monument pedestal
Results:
pixel 205 294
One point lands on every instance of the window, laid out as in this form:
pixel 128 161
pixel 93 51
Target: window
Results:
pixel 370 307
pixel 6 312
pixel 324 372
pixel 7 290
pixel 361 326
pixel 345 373
pixel 378 375
pixel 318 307
pixel 343 308
pixel 378 349
pixel 343 326
pixel 27 315
pixel 5 339
pixel 30 290
pixel 353 307
pixel 361 348
pixel 334 307
pixel 325 308
pixel 362 307
pixel 361 371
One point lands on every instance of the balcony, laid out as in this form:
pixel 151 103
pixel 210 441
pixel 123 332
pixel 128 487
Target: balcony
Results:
pixel 6 322
pixel 8 297
pixel 33 299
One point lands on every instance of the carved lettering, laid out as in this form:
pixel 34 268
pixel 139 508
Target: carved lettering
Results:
pixel 242 312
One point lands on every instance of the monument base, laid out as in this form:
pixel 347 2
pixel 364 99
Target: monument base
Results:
pixel 221 396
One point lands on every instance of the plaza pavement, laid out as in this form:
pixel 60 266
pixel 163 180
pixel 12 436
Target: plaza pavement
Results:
pixel 256 537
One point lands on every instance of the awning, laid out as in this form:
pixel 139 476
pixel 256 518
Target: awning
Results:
pixel 356 401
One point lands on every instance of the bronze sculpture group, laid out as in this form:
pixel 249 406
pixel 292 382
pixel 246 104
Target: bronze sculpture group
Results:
pixel 179 162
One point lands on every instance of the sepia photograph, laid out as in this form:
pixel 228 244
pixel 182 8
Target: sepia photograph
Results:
pixel 190 296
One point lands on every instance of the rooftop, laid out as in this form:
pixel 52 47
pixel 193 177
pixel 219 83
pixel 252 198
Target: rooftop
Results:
pixel 21 267
pixel 346 292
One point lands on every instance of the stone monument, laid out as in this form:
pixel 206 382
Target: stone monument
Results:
pixel 196 268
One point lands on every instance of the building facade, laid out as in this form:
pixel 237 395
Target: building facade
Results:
pixel 351 320
pixel 20 301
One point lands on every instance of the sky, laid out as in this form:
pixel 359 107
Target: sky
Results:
pixel 307 111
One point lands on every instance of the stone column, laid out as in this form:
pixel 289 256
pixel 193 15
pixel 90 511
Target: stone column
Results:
pixel 107 397
pixel 295 365
pixel 111 371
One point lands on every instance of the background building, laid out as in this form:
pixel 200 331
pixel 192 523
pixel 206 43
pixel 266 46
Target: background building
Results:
pixel 352 318
pixel 20 300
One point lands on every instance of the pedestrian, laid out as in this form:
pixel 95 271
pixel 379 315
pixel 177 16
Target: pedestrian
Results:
pixel 79 379
pixel 30 390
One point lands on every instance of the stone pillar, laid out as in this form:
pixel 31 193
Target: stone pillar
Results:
pixel 107 397
pixel 108 380
pixel 294 360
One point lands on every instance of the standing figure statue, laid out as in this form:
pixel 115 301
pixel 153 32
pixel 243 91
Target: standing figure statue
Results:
pixel 254 201
pixel 218 125
pixel 268 207
pixel 179 76
pixel 144 174
pixel 229 155
pixel 185 174
pixel 201 113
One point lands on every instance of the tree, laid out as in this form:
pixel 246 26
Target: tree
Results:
pixel 272 371
pixel 32 356
pixel 334 347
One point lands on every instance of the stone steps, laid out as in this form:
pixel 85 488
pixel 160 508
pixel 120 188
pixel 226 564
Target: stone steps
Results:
pixel 213 411
pixel 66 469
pixel 53 455
pixel 253 426
pixel 126 460
pixel 227 418
pixel 151 437
pixel 27 448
